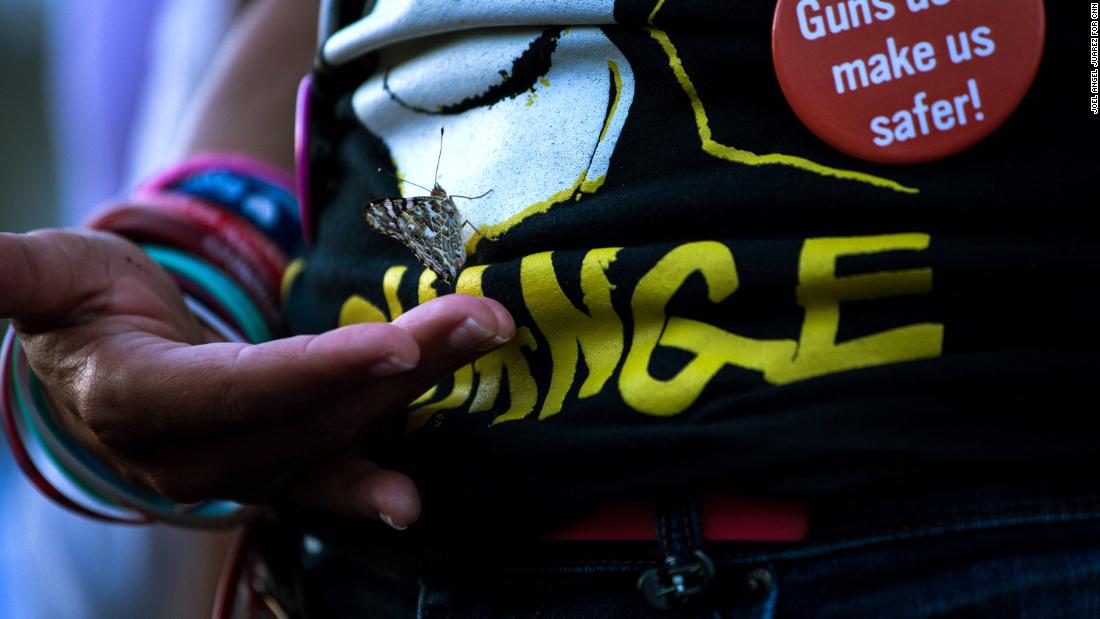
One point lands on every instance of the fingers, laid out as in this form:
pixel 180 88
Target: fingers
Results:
pixel 355 486
pixel 175 391
pixel 454 328
pixel 506 325
pixel 448 342
pixel 184 391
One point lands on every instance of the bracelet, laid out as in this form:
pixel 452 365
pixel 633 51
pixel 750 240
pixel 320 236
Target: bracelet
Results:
pixel 227 293
pixel 171 225
pixel 213 320
pixel 259 251
pixel 239 164
pixel 260 193
pixel 302 110
pixel 41 468
pixel 192 290
pixel 264 261
pixel 61 470
pixel 49 437
pixel 94 474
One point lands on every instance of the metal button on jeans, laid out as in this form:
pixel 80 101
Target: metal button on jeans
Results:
pixel 758 584
pixel 678 581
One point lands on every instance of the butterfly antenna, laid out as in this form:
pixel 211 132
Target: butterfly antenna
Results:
pixel 403 180
pixel 474 197
pixel 435 181
pixel 478 230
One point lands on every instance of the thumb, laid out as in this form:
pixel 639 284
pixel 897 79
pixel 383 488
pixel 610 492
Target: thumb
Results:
pixel 46 274
pixel 37 271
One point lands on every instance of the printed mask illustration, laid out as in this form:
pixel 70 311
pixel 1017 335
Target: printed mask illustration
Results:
pixel 533 115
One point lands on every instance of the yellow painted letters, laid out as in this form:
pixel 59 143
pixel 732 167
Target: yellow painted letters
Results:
pixel 599 335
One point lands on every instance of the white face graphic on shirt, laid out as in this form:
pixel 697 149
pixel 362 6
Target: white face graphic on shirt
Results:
pixel 533 148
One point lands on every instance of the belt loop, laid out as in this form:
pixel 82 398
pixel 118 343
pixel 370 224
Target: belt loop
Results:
pixel 686 570
pixel 679 531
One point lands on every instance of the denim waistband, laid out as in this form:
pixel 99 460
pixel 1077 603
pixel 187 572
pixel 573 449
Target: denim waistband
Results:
pixel 835 525
pixel 367 566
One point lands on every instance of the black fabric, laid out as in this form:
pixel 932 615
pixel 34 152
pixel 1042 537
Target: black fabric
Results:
pixel 1013 262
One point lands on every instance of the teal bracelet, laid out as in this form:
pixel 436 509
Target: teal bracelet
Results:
pixel 209 513
pixel 101 492
pixel 224 290
pixel 32 439
pixel 96 480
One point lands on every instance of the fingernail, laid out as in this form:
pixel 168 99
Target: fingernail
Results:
pixel 391 365
pixel 472 335
pixel 389 521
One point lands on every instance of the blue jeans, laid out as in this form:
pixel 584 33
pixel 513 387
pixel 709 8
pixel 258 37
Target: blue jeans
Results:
pixel 997 556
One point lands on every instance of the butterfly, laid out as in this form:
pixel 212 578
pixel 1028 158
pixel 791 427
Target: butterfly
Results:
pixel 430 226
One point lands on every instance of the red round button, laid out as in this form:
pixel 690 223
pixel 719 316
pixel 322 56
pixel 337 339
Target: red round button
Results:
pixel 906 81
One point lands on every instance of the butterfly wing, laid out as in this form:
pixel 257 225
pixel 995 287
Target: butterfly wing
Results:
pixel 430 226
pixel 384 215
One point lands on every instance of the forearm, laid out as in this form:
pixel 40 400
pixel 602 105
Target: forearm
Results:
pixel 246 104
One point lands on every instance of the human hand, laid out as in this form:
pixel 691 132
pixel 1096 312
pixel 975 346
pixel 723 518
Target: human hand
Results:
pixel 140 384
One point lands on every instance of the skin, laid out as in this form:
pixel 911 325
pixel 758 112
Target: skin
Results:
pixel 138 382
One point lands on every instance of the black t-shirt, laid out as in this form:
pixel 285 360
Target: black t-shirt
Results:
pixel 707 295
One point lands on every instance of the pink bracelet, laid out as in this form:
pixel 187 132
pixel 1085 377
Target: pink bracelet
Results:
pixel 301 156
pixel 204 230
pixel 239 164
